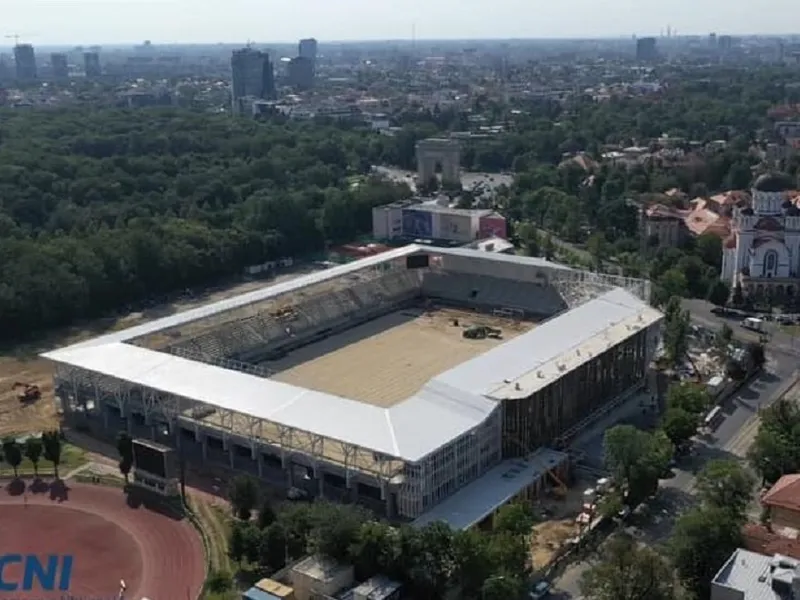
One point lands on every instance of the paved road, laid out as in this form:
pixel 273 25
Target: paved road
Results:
pixel 780 342
pixel 733 437
pixel 783 351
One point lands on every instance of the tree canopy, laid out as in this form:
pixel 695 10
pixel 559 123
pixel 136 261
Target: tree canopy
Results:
pixel 628 571
pixel 428 561
pixel 106 209
pixel 637 459
pixel 725 484
pixel 776 448
pixel 109 209
pixel 706 535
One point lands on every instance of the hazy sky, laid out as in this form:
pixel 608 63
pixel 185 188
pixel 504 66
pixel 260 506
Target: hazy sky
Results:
pixel 122 21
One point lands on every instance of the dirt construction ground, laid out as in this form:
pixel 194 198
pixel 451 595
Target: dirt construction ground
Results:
pixel 388 359
pixel 20 364
pixel 18 417
pixel 558 524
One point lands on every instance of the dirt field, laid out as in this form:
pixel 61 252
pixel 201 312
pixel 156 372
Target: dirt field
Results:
pixel 548 538
pixel 387 360
pixel 15 416
pixel 557 525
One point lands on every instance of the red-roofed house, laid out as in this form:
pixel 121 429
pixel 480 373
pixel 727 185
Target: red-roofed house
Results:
pixel 724 203
pixel 702 220
pixel 782 501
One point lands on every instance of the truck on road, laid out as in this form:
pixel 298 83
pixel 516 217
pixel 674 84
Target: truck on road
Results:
pixel 753 324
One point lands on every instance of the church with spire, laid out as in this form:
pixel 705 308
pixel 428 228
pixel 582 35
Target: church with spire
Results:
pixel 762 254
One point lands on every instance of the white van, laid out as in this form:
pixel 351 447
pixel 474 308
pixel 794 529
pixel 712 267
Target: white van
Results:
pixel 753 324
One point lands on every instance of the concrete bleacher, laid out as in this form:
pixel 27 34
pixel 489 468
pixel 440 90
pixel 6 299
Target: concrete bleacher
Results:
pixel 208 344
pixel 367 298
pixel 400 284
pixel 492 292
pixel 312 313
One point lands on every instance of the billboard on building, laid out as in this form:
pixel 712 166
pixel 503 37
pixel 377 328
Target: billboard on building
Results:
pixel 417 223
pixel 455 226
pixel 493 226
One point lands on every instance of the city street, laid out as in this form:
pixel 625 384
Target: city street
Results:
pixel 731 439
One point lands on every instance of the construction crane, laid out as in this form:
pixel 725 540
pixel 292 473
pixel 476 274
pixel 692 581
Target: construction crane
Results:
pixel 15 37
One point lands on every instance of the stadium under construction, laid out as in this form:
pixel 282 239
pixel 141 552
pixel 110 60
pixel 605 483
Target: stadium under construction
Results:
pixel 426 383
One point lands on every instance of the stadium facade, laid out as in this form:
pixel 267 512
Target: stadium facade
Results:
pixel 192 380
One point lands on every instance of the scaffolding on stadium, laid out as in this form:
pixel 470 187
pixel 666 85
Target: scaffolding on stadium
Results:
pixel 87 396
pixel 577 287
pixel 84 395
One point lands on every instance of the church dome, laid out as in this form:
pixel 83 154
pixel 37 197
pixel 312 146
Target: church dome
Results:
pixel 774 182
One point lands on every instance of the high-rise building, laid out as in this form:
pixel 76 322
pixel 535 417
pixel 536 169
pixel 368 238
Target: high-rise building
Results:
pixel 308 49
pixel 252 75
pixel 301 73
pixel 59 66
pixel 646 49
pixel 91 64
pixel 25 60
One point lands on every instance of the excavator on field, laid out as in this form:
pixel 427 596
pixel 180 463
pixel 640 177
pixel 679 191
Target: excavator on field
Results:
pixel 27 392
pixel 481 332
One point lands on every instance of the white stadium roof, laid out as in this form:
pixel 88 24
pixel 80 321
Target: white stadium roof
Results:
pixel 448 406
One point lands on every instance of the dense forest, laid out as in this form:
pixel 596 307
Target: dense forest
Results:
pixel 102 209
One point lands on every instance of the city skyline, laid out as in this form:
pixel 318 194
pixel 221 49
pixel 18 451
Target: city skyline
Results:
pixel 64 22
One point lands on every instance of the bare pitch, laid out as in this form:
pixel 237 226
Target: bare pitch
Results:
pixel 390 358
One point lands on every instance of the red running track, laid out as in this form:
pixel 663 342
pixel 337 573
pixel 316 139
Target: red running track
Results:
pixel 158 557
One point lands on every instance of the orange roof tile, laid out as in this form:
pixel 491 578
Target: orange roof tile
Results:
pixel 703 220
pixel 784 494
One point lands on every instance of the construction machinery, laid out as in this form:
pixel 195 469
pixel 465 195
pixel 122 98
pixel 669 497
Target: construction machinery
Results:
pixel 481 332
pixel 27 392
pixel 285 313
